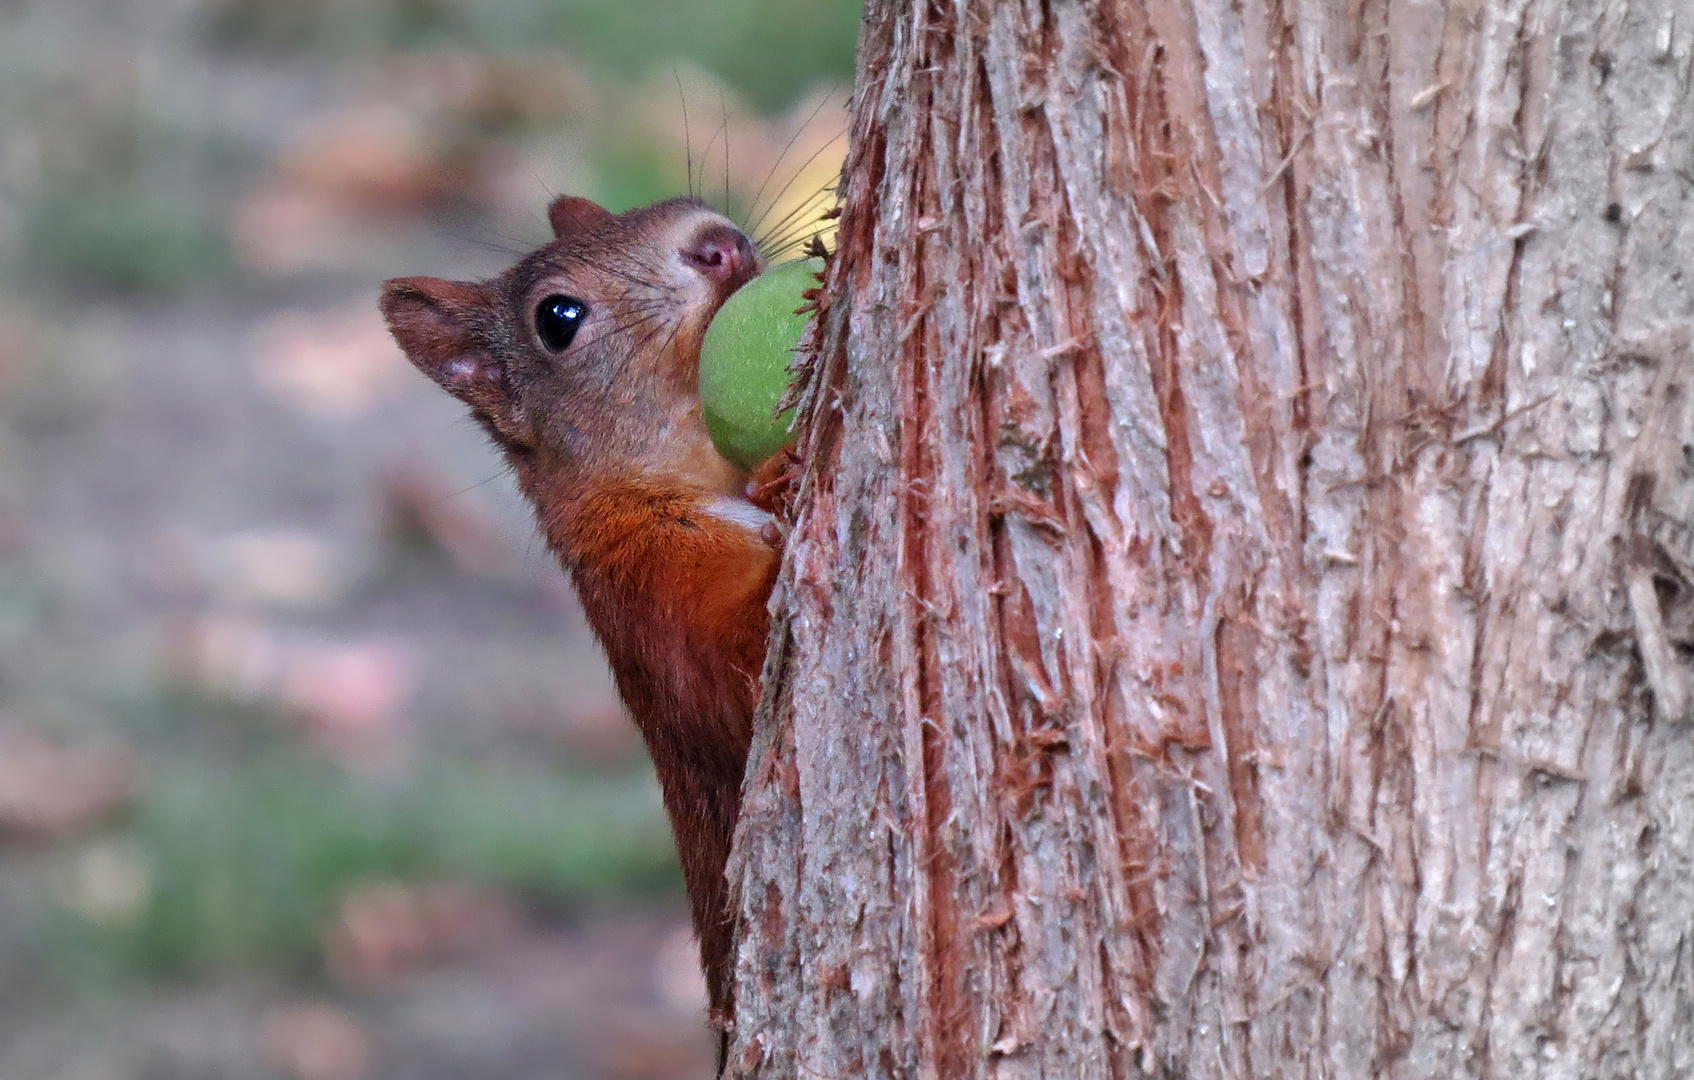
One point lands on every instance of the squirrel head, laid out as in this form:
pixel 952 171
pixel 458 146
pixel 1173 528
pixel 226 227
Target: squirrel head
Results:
pixel 583 359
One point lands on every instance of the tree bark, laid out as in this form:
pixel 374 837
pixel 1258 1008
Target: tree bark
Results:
pixel 1238 621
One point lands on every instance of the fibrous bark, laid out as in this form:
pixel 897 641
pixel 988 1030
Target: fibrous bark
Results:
pixel 1238 620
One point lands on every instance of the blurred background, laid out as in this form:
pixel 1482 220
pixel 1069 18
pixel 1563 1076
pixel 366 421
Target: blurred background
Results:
pixel 309 768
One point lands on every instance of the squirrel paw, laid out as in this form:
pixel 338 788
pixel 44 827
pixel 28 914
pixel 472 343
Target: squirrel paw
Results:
pixel 774 484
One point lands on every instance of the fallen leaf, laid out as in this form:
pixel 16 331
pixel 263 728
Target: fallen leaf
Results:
pixel 652 1048
pixel 278 229
pixel 420 504
pixel 377 154
pixel 388 930
pixel 314 1041
pixel 337 365
pixel 281 566
pixel 21 340
pixel 677 977
pixel 49 791
pixel 109 883
pixel 352 698
pixel 233 656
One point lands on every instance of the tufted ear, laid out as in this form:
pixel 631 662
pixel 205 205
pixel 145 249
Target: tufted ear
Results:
pixel 436 324
pixel 572 213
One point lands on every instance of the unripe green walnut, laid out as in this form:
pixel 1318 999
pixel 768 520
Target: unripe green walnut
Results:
pixel 744 363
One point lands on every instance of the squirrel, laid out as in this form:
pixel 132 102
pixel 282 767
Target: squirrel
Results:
pixel 582 364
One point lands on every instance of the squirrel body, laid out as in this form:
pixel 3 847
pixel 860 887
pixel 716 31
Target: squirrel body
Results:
pixel 581 362
pixel 676 592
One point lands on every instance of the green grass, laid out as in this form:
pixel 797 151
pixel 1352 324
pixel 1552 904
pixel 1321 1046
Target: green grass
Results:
pixel 769 50
pixel 115 235
pixel 634 173
pixel 244 866
pixel 121 202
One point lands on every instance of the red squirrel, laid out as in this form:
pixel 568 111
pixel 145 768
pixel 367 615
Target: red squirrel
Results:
pixel 582 363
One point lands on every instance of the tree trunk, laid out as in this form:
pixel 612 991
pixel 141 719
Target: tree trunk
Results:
pixel 1238 620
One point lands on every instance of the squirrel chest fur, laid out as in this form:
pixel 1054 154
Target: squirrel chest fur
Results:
pixel 582 362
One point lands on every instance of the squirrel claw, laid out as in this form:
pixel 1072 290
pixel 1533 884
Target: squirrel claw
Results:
pixel 773 485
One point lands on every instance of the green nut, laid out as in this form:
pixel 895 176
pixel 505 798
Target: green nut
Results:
pixel 744 363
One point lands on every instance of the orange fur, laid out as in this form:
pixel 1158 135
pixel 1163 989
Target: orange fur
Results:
pixel 677 597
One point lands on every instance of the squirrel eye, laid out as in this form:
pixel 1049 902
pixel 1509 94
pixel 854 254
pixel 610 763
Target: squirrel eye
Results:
pixel 557 319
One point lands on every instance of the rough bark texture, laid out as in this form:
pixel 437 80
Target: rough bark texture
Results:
pixel 1238 623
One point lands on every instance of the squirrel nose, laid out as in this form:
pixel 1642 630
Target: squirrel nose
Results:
pixel 723 254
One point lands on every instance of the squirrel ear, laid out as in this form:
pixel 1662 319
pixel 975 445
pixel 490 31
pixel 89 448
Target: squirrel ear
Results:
pixel 570 213
pixel 435 322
